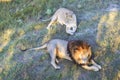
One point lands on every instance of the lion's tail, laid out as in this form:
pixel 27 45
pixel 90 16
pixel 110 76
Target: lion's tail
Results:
pixel 41 47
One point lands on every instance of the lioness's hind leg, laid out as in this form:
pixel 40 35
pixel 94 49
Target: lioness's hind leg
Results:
pixel 53 20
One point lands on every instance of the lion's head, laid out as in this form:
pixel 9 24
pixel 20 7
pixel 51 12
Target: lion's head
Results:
pixel 80 51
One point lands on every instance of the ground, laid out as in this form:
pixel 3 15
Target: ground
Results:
pixel 21 28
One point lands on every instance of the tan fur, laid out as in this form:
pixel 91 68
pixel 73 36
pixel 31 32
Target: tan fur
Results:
pixel 58 48
pixel 83 54
pixel 66 17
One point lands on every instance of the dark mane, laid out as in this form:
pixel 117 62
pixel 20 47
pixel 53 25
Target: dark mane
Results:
pixel 74 44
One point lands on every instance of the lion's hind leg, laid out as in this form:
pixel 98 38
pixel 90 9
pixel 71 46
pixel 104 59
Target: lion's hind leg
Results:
pixel 53 58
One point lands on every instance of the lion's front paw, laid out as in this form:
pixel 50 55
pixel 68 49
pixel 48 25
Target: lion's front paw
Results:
pixel 94 68
pixel 99 66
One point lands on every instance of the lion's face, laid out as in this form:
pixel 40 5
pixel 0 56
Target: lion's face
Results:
pixel 82 55
pixel 80 51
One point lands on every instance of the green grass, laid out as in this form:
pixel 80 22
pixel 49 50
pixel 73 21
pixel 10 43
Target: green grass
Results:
pixel 20 28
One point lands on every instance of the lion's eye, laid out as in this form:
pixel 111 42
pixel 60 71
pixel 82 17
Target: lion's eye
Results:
pixel 75 48
pixel 89 56
pixel 79 59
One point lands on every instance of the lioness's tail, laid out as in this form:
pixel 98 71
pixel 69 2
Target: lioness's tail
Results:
pixel 44 20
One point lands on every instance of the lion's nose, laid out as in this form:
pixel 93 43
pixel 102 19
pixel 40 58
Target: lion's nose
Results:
pixel 85 60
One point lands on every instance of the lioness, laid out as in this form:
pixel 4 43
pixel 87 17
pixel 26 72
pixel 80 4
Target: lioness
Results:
pixel 76 50
pixel 66 17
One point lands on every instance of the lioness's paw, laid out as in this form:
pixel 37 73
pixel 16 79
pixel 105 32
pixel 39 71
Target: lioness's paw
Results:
pixel 71 33
pixel 48 28
pixel 57 67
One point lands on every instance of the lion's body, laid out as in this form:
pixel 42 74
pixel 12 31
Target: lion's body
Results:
pixel 79 51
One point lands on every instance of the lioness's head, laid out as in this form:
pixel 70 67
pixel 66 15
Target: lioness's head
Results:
pixel 71 25
pixel 71 29
pixel 80 51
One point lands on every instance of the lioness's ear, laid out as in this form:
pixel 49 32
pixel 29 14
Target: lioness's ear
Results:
pixel 68 15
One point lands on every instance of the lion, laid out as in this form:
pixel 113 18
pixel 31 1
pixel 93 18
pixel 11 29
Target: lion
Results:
pixel 75 50
pixel 64 17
